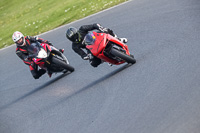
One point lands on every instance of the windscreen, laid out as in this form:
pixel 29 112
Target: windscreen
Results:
pixel 89 39
pixel 34 49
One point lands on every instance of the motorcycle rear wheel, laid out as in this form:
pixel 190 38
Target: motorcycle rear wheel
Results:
pixel 123 56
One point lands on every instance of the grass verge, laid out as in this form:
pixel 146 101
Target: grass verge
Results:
pixel 33 17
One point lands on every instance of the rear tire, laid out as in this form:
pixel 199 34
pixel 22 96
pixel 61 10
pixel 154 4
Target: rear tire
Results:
pixel 123 56
pixel 62 64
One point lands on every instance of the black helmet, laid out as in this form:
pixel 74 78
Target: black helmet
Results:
pixel 72 34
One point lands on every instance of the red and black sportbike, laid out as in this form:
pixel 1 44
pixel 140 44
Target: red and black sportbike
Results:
pixel 49 58
pixel 108 48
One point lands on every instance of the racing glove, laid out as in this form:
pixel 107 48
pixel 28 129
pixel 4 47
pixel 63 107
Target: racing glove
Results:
pixel 43 41
pixel 101 28
pixel 88 56
pixel 47 42
pixel 105 30
pixel 27 59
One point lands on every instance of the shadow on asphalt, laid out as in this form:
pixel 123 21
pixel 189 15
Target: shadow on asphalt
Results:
pixel 34 91
pixel 64 99
pixel 107 76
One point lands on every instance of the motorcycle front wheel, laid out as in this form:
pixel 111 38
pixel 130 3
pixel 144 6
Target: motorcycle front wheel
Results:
pixel 62 64
pixel 123 56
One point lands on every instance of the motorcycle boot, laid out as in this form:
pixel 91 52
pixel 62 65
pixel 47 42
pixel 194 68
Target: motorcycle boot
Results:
pixel 124 40
pixel 50 74
pixel 62 50
pixel 109 64
pixel 38 74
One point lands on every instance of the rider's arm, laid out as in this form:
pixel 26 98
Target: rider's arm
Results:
pixel 86 28
pixel 78 50
pixel 34 39
pixel 23 57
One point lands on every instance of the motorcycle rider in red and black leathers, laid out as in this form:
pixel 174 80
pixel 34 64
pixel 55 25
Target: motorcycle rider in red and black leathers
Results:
pixel 21 50
pixel 77 37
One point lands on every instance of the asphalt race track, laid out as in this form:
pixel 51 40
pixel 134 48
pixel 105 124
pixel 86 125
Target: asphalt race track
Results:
pixel 159 94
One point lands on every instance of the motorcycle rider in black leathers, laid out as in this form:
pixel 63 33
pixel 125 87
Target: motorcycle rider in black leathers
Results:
pixel 77 37
pixel 21 51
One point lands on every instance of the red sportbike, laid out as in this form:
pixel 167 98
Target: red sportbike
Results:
pixel 108 48
pixel 49 58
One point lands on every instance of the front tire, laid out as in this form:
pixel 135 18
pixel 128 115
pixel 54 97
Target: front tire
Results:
pixel 62 64
pixel 123 56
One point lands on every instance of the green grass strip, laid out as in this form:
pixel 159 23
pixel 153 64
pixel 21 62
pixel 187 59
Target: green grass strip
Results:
pixel 33 17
